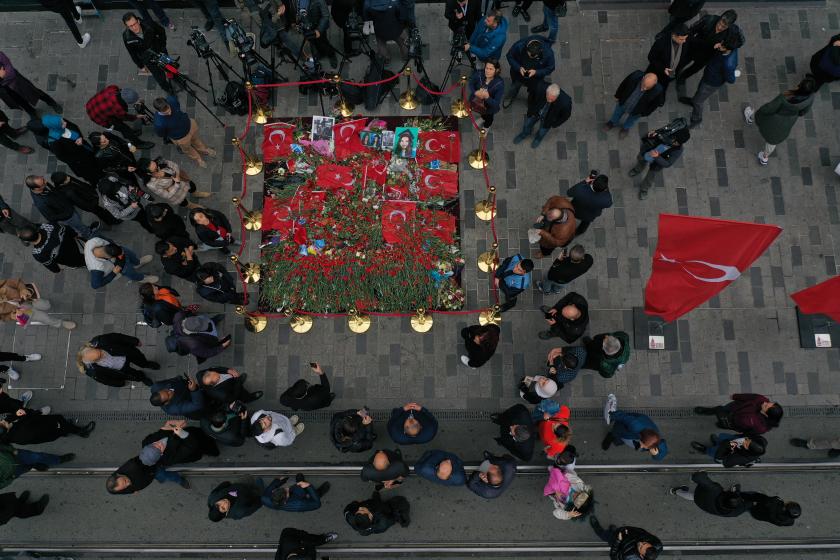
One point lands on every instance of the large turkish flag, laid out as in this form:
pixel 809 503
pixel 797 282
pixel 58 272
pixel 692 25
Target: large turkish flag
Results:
pixel 696 258
pixel 277 140
pixel 346 138
pixel 823 298
pixel 397 218
pixel 444 145
pixel 334 177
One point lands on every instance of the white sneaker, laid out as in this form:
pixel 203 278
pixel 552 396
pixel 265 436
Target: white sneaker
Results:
pixel 33 357
pixel 143 261
pixel 294 419
pixel 748 115
pixel 763 158
pixel 299 429
pixel 465 360
pixel 12 374
pixel 367 28
pixel 610 406
pixel 78 11
pixel 85 40
pixel 25 397
pixel 150 279
pixel 45 409
pixel 69 325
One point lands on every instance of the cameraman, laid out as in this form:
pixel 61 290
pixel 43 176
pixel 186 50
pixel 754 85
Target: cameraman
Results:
pixel 489 37
pixel 312 19
pixel 661 148
pixel 140 37
pixel 391 21
pixel 462 14
pixel 109 108
pixel 341 10
pixel 531 62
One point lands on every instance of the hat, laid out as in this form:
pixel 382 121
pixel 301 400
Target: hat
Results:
pixel 546 391
pixel 196 324
pixel 149 455
pixel 215 514
pixel 129 95
pixel 484 466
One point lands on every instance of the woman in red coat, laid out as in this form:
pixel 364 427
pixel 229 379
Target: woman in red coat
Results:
pixel 555 432
pixel 747 413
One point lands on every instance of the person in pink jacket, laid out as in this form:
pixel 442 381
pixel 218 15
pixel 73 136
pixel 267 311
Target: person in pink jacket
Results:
pixel 571 497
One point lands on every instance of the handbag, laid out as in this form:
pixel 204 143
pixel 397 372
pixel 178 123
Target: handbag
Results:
pixel 561 10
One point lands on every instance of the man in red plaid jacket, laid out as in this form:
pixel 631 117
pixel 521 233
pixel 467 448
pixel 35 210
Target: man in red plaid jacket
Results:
pixel 109 108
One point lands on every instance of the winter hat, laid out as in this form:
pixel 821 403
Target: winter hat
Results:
pixel 129 95
pixel 196 324
pixel 546 391
pixel 149 455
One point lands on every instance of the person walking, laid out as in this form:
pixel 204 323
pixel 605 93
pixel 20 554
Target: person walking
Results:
pixel 550 107
pixel 555 226
pixel 109 109
pixel 832 444
pixel 733 450
pixel 667 54
pixel 303 395
pixel 12 505
pixel 159 304
pixel 9 133
pixel 441 467
pixel 272 429
pixel 169 182
pixel 53 245
pixel 627 543
pixel 173 123
pixel 9 372
pixel 568 318
pixel 298 544
pixel 234 501
pixel 512 277
pixel 552 10
pixel 569 264
pixel 106 260
pixel 825 63
pixel 375 515
pixel 17 92
pixel 108 358
pixel 10 221
pixel 29 429
pixel 747 413
pixel 711 497
pixel 681 12
pixel 775 119
pixel 607 353
pixel 72 16
pixel 411 424
pixel 487 89
pixel 55 206
pixel 198 335
pixel 22 303
pixel 480 342
pixel 590 198
pixel 772 509
pixel 16 462
pixel 531 61
pixel 632 429
pixel 657 152
pixel 144 39
pixel 721 69
pixel 638 95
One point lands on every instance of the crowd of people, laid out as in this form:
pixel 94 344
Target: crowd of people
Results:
pixel 108 178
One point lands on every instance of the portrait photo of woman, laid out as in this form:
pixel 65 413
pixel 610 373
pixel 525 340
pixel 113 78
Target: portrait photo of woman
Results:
pixel 405 142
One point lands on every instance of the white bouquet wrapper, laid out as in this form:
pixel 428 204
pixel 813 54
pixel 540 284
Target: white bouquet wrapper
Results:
pixel 533 235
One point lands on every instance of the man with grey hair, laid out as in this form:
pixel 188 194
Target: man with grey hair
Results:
pixel 637 96
pixel 549 106
pixel 607 353
pixel 570 264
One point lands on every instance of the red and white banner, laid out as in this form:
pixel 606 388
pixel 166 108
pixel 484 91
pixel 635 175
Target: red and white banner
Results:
pixel 440 224
pixel 696 258
pixel 438 182
pixel 443 145
pixel 334 177
pixel 823 298
pixel 346 138
pixel 397 217
pixel 277 140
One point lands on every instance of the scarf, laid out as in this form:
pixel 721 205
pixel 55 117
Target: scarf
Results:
pixel 219 230
pixel 167 296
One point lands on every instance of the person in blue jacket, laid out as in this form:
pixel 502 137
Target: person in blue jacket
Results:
pixel 633 430
pixel 298 497
pixel 489 37
pixel 531 61
pixel 412 424
pixel 442 467
pixel 179 396
pixel 493 476
pixel 487 89
pixel 719 71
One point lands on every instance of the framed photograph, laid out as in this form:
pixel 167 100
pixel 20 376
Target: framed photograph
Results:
pixel 405 142
pixel 322 128
pixel 371 139
pixel 388 140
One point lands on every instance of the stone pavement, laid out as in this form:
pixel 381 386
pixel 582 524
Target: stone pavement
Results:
pixel 744 340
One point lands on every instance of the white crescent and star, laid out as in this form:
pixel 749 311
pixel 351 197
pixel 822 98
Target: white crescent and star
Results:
pixel 397 213
pixel 730 273
pixel 428 145
pixel 282 134
pixel 428 182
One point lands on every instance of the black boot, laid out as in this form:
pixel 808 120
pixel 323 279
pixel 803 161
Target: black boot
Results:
pixel 323 489
pixel 608 441
pixel 704 410
pixel 799 442
pixel 697 446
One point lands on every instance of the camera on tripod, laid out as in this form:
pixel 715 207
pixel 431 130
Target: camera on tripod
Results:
pixel 240 39
pixel 306 27
pixel 353 26
pixel 415 44
pixel 199 42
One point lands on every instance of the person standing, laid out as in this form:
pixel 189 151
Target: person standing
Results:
pixel 72 16
pixel 657 153
pixel 29 429
pixel 551 19
pixel 569 494
pixel 386 468
pixel 390 20
pixel 489 36
pixel 64 139
pixel 351 431
pixel 173 123
pixel 214 283
pixel 123 200
pixel 550 107
pixel 590 198
pixel 681 12
pixel 18 92
pixel 224 385
pixel 375 515
pixel 627 543
pixel 55 206
pixel 776 118
pixel 748 413
pixel 441 467
pixel 298 497
pixel 177 255
pixel 568 318
pixel 11 373
pixel 169 182
pixel 667 54
pixel 487 89
pixel 832 444
pixel 143 38
pixel 494 475
pixel 109 109
pixel 83 196
pixel 22 302
pixel 531 61
pixel 16 462
pixel 825 63
pixel 555 225
pixel 555 432
pixel 481 342
pixel 638 95
pixel 106 260
pixel 143 6
pixel 53 245
pixel 516 431
pixel 108 358
pixel 512 277
pixel 159 304
pixel 272 429
pixel 703 40
pixel 115 155
pixel 711 497
pixel 8 134
pixel 607 353
pixel 234 501
pixel 570 264
pixel 461 14
pixel 772 509
pixel 305 396
pixel 564 364
pixel 412 424
pixel 164 222
pixel 720 70
pixel 10 221
pixel 632 429
pixel 179 396
pixel 198 335
pixel 212 228
pixel 299 545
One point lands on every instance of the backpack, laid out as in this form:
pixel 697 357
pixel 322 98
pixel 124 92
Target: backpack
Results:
pixel 234 98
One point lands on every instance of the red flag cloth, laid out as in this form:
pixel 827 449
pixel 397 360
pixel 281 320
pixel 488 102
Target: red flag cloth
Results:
pixel 438 182
pixel 377 171
pixel 277 140
pixel 277 215
pixel 444 145
pixel 396 220
pixel 346 138
pixel 440 224
pixel 398 192
pixel 823 298
pixel 696 258
pixel 333 177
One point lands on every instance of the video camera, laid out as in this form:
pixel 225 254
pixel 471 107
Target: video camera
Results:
pixel 199 42
pixel 459 39
pixel 353 26
pixel 665 134
pixel 306 27
pixel 162 60
pixel 415 44
pixel 243 43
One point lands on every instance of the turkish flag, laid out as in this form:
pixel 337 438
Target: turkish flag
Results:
pixel 277 215
pixel 346 138
pixel 823 298
pixel 438 182
pixel 696 258
pixel 277 140
pixel 397 217
pixel 440 224
pixel 444 145
pixel 377 171
pixel 398 192
pixel 333 177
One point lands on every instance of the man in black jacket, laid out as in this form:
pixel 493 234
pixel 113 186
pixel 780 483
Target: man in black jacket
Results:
pixel 549 106
pixel 83 196
pixel 681 12
pixel 214 283
pixel 531 62
pixel 227 426
pixel 225 385
pixel 659 152
pixel 569 265
pixel 164 222
pixel 56 206
pixel 175 444
pixel 53 245
pixel 568 318
pixel 386 468
pixel 23 428
pixel 462 14
pixel 711 497
pixel 313 19
pixel 704 39
pixel 234 501
pixel 627 543
pixel 142 37
pixel 772 509
pixel 178 258
pixel 590 197
pixel 667 54
pixel 493 476
pixel 351 431
pixel 516 431
pixel 638 95
pixel 108 358
pixel 377 515
pixel 12 505
pixel 305 396
pixel 297 544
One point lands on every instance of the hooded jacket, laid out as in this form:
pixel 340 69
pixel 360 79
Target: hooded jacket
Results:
pixel 487 43
pixel 776 118
pixel 710 497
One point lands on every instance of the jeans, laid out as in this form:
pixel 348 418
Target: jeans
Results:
pixel 210 9
pixel 552 287
pixel 162 475
pixel 616 117
pixel 704 91
pixel 27 459
pixel 75 222
pixel 528 126
pixel 131 261
pixel 551 21
pixel 140 6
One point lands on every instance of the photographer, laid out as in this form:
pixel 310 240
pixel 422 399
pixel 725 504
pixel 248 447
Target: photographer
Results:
pixel 140 37
pixel 115 155
pixel 661 148
pixel 487 88
pixel 312 19
pixel 340 11
pixel 122 200
pixel 168 182
pixel 391 20
pixel 109 108
pixel 531 62
pixel 228 425
pixel 462 15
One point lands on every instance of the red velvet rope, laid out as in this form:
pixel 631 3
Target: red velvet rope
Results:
pixel 431 91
